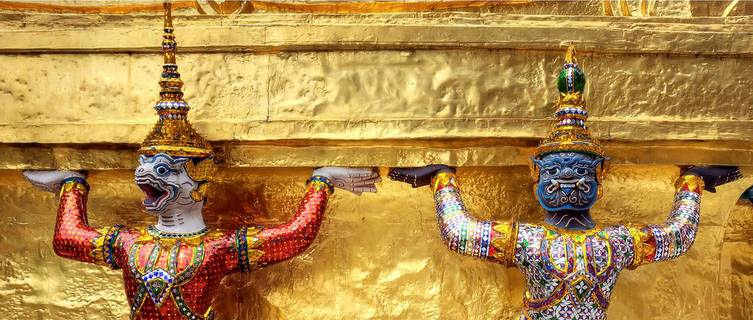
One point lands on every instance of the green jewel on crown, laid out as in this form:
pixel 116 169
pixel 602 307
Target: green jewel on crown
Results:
pixel 571 79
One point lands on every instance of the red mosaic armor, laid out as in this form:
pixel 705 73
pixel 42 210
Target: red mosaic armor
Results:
pixel 175 277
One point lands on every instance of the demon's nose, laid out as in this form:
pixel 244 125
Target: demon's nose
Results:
pixel 567 173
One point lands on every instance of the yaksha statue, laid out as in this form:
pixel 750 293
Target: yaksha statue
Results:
pixel 172 269
pixel 570 264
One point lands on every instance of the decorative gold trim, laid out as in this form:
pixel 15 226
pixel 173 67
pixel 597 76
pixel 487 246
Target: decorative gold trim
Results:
pixel 505 240
pixel 574 146
pixel 146 237
pixel 249 6
pixel 442 179
pixel 640 248
pixel 98 254
pixel 378 6
pixel 36 6
pixel 691 181
pixel 254 242
pixel 71 185
pixel 579 236
pixel 177 151
pixel 318 186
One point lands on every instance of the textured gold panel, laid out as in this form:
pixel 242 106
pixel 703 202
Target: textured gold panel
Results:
pixel 373 95
pixel 379 256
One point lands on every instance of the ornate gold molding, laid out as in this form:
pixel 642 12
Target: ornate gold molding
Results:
pixel 25 33
pixel 249 6
pixel 107 8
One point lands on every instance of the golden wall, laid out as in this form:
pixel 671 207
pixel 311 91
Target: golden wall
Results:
pixel 278 93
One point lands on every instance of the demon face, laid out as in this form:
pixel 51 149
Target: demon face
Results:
pixel 567 181
pixel 165 182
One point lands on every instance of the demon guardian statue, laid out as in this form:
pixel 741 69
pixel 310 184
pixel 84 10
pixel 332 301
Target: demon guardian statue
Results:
pixel 570 264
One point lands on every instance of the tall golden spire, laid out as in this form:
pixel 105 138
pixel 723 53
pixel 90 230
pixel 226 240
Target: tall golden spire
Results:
pixel 173 133
pixel 570 133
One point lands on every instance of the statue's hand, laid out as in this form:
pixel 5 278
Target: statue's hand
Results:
pixel 355 180
pixel 50 180
pixel 714 176
pixel 420 176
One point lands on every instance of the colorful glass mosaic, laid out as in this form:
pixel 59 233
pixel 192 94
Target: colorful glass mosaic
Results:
pixel 569 274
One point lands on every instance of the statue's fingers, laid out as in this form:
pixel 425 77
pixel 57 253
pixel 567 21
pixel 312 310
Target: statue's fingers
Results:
pixel 399 176
pixel 363 185
pixel 369 188
pixel 398 171
pixel 373 175
pixel 35 179
pixel 736 174
pixel 44 187
pixel 361 172
pixel 371 180
pixel 34 176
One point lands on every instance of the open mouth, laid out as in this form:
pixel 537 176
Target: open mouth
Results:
pixel 152 193
pixel 558 184
pixel 570 183
pixel 156 193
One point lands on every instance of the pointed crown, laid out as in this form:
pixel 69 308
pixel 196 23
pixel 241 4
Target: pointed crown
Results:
pixel 570 133
pixel 173 134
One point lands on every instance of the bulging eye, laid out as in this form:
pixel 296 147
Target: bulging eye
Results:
pixel 162 170
pixel 552 171
pixel 581 171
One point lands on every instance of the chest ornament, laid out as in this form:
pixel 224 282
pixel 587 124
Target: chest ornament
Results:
pixel 579 261
pixel 158 283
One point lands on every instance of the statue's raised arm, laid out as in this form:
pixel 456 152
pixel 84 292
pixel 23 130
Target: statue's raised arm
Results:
pixel 459 230
pixel 676 235
pixel 74 238
pixel 260 246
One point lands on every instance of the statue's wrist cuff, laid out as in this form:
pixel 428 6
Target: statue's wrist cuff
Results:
pixel 689 182
pixel 321 180
pixel 442 179
pixel 75 183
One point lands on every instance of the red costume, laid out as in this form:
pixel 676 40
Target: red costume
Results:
pixel 169 276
